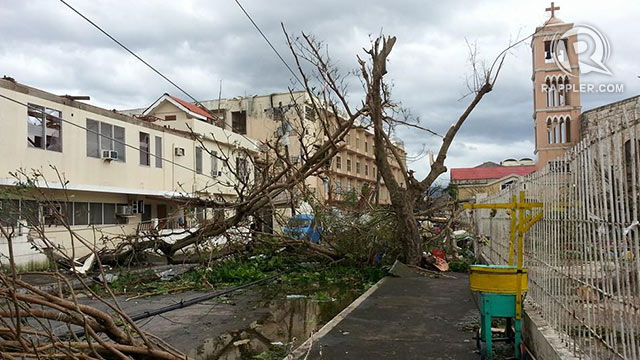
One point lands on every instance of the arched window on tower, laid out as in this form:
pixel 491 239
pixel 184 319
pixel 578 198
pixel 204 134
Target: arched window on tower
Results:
pixel 555 127
pixel 567 90
pixel 561 92
pixel 549 134
pixel 554 86
pixel 549 93
pixel 567 129
pixel 560 127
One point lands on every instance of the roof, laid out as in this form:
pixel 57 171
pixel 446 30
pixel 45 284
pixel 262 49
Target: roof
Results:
pixel 495 172
pixel 193 108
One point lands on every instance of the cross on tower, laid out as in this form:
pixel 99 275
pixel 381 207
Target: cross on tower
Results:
pixel 552 9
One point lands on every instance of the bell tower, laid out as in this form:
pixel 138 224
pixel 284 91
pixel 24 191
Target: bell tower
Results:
pixel 556 84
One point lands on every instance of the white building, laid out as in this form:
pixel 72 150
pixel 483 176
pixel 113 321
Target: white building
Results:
pixel 110 173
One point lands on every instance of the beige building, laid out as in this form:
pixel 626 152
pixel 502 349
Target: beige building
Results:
pixel 489 178
pixel 556 84
pixel 264 117
pixel 108 173
pixel 354 167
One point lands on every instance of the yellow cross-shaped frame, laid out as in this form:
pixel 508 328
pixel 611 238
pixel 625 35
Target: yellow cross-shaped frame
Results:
pixel 522 219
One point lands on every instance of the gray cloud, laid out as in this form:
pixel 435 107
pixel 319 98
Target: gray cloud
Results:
pixel 197 43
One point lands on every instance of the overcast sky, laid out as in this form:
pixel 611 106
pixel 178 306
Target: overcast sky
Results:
pixel 198 43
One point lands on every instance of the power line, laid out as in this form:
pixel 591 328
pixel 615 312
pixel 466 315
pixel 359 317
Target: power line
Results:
pixel 134 54
pixel 97 133
pixel 268 42
pixel 154 69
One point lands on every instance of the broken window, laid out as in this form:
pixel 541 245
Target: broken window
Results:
pixel 239 122
pixel 278 114
pixel 44 128
pixel 242 170
pixel 309 113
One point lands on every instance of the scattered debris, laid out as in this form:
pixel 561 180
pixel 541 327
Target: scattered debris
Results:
pixel 86 266
pixel 296 296
pixel 241 342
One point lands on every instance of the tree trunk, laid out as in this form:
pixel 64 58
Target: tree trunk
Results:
pixel 408 234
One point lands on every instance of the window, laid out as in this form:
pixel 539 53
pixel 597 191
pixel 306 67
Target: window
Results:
pixel 349 165
pixel 198 160
pixel 109 212
pixel 366 147
pixel 80 213
pixel 309 113
pixel 507 184
pixel 118 142
pixel 214 164
pixel 158 152
pixel 146 213
pixel 44 128
pixel 103 136
pixel 95 213
pixel 366 170
pixel 144 149
pixel 278 114
pixel 239 122
pixel 357 167
pixel 241 169
pixel 357 143
pixel 169 117
pixel 338 162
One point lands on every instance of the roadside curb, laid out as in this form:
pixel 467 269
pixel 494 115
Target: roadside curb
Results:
pixel 306 346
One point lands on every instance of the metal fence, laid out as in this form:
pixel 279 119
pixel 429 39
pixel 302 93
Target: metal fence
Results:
pixel 584 255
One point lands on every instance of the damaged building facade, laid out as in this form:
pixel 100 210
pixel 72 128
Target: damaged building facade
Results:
pixel 107 174
pixel 291 118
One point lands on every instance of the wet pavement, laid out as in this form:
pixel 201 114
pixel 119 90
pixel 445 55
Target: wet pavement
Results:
pixel 406 318
pixel 238 326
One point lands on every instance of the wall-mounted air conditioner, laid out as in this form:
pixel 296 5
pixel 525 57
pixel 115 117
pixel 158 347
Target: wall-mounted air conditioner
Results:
pixel 109 155
pixel 216 173
pixel 179 151
pixel 124 210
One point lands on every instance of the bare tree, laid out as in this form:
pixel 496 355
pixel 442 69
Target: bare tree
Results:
pixel 380 108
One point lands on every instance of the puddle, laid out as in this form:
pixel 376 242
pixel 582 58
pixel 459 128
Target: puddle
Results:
pixel 287 323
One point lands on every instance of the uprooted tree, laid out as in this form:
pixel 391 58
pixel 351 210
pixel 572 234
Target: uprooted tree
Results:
pixel 380 110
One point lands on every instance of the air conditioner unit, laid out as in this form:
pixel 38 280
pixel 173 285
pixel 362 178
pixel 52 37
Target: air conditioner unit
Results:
pixel 216 173
pixel 179 151
pixel 124 210
pixel 109 155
